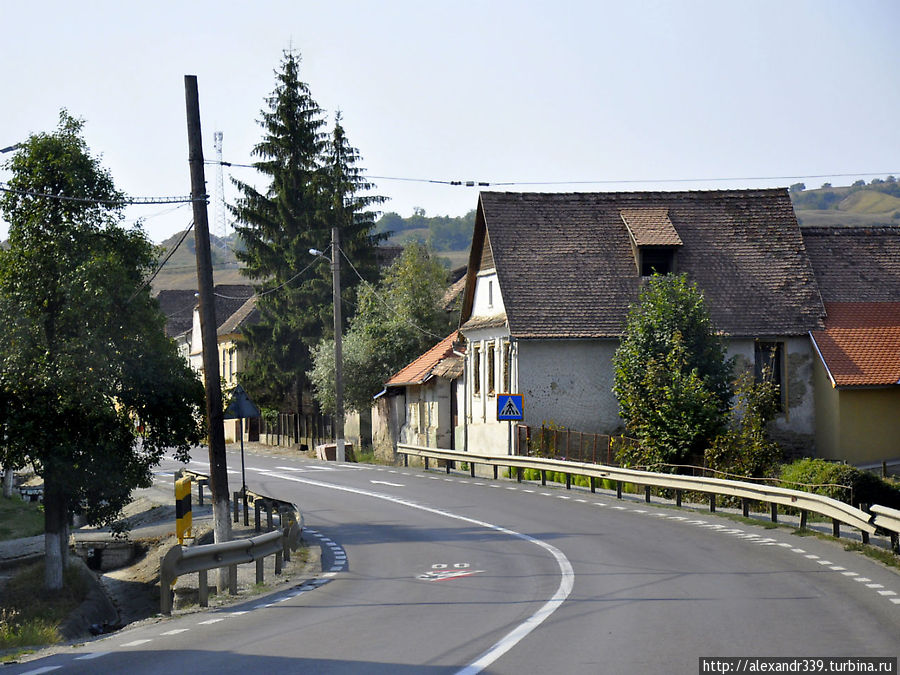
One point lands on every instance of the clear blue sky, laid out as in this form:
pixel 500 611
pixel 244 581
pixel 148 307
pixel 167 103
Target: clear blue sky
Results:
pixel 492 91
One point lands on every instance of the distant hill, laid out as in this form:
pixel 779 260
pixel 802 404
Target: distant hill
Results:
pixel 877 203
pixel 448 236
pixel 181 270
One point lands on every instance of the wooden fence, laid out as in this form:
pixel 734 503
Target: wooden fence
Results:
pixel 290 429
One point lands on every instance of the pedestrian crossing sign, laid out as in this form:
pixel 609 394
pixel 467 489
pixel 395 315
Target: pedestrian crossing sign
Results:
pixel 510 407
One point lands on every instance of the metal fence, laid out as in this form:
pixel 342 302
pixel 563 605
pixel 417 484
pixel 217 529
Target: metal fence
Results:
pixel 559 443
pixel 289 429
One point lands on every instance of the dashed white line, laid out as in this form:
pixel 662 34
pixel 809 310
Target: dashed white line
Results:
pixel 93 655
pixel 210 621
pixel 175 631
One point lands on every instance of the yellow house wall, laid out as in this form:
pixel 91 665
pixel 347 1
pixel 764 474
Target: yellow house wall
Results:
pixel 870 424
pixel 828 421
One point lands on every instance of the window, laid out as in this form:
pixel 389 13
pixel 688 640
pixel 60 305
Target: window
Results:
pixel 490 293
pixel 769 365
pixel 657 261
pixel 491 368
pixel 476 370
pixel 507 379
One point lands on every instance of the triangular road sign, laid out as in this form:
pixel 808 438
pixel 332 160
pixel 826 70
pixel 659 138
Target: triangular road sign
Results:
pixel 241 406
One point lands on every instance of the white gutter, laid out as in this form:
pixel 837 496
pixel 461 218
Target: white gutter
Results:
pixel 822 358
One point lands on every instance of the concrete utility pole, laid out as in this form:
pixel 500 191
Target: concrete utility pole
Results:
pixel 339 453
pixel 217 467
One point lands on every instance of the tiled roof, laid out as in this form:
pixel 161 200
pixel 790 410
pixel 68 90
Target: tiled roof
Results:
pixel 246 314
pixel 567 270
pixel 650 227
pixel 861 343
pixel 178 308
pixel 855 264
pixel 421 369
pixel 228 300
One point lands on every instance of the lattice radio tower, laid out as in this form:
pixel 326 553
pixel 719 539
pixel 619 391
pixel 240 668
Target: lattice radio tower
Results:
pixel 220 188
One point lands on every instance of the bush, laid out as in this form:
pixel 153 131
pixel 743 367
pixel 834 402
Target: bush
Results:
pixel 839 481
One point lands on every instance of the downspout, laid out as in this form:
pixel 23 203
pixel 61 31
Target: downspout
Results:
pixel 465 400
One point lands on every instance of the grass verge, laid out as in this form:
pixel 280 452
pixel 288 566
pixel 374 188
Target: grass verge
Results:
pixel 29 615
pixel 20 518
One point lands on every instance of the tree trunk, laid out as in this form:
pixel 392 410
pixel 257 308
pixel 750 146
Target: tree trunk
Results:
pixel 56 531
pixel 8 483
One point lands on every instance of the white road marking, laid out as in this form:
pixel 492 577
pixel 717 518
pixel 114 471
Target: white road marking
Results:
pixel 850 574
pixel 517 634
pixel 210 621
pixel 838 568
pixel 384 482
pixel 887 593
pixel 45 669
pixel 862 580
pixel 896 601
pixel 797 550
pixel 94 655
pixel 874 585
pixel 824 562
pixel 175 631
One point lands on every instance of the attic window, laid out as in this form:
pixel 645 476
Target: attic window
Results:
pixel 657 261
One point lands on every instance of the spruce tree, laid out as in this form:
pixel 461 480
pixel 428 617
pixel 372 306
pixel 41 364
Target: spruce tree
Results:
pixel 308 175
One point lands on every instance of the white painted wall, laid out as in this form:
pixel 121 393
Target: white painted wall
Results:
pixel 569 382
pixel 488 300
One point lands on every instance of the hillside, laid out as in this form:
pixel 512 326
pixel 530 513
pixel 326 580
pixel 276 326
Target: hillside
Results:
pixel 181 270
pixel 877 203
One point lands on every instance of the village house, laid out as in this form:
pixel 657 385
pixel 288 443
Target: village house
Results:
pixel 551 278
pixel 857 365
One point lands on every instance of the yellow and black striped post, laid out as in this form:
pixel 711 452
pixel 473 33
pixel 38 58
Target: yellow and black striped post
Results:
pixel 183 508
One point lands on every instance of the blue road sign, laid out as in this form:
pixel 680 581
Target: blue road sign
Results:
pixel 510 407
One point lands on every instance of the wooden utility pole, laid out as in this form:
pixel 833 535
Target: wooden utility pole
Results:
pixel 217 467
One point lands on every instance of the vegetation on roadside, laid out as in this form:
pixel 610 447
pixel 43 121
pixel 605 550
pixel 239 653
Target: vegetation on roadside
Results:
pixel 30 615
pixel 839 481
pixel 19 518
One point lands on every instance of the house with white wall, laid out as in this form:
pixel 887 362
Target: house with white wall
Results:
pixel 551 277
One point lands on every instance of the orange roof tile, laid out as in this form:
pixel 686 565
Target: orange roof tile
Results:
pixel 861 343
pixel 419 370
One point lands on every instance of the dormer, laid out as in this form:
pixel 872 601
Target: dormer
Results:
pixel 654 240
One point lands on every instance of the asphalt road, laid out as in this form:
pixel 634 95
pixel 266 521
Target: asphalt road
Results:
pixel 429 573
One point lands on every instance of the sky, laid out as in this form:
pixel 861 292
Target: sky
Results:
pixel 561 95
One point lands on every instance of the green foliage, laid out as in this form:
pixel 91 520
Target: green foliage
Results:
pixel 314 185
pixel 82 346
pixel 672 380
pixel 839 481
pixel 396 322
pixel 744 449
pixel 440 233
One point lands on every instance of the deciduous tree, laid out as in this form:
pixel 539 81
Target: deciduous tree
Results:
pixel 97 391
pixel 672 379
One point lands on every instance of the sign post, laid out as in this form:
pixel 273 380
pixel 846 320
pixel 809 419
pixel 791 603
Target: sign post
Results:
pixel 510 408
pixel 242 407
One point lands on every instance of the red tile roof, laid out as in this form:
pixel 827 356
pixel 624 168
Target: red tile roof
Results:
pixel 421 369
pixel 861 343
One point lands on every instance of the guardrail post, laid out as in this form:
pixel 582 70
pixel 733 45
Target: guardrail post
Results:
pixel 472 469
pixel 543 477
pixel 448 466
pixel 236 500
pixel 165 590
pixel 269 525
pixel 773 507
pixel 256 520
pixel 803 517
pixel 745 507
pixel 618 489
pixel 712 502
pixel 203 589
pixel 836 528
pixel 405 460
pixel 260 574
pixel 518 474
pixel 278 562
pixel 286 548
pixel 568 481
pixel 232 579
pixel 895 542
pixel 495 471
pixel 200 484
pixel 678 498
pixel 593 483
pixel 426 463
pixel 647 493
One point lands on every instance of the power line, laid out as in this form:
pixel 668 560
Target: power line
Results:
pixel 4 187
pixel 610 181
pixel 267 292
pixel 165 260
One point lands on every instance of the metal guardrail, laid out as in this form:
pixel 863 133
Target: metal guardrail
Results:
pixel 180 560
pixel 806 502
